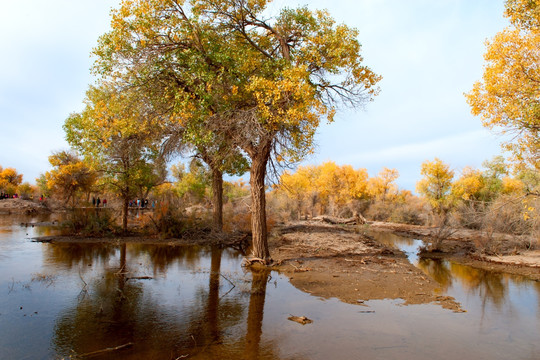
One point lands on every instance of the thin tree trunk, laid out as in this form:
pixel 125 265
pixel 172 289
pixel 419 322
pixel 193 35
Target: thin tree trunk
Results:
pixel 258 207
pixel 125 210
pixel 217 199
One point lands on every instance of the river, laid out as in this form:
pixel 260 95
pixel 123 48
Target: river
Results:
pixel 171 302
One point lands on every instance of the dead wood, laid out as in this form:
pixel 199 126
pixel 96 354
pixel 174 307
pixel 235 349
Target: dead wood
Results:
pixel 355 220
pixel 300 319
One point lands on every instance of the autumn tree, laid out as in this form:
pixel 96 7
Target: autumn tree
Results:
pixel 70 176
pixel 26 190
pixel 298 186
pixel 436 184
pixel 470 185
pixel 264 84
pixel 9 180
pixel 383 185
pixel 116 132
pixel 508 95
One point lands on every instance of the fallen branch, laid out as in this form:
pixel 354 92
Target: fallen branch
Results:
pixel 230 282
pixel 99 352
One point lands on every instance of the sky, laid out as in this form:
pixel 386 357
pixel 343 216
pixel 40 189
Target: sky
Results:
pixel 429 52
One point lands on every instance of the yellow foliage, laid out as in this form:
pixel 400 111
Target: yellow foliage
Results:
pixel 469 185
pixel 383 186
pixel 512 186
pixel 9 176
pixel 436 183
pixel 507 96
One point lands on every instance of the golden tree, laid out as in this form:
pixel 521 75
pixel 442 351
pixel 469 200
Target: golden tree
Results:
pixel 508 95
pixel 70 176
pixel 436 184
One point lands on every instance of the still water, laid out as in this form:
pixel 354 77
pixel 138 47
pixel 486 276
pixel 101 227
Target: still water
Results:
pixel 169 302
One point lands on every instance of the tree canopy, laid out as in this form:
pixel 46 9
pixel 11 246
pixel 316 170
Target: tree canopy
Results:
pixel 508 95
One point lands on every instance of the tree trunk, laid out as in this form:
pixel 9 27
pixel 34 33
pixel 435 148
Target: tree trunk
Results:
pixel 217 199
pixel 125 210
pixel 258 206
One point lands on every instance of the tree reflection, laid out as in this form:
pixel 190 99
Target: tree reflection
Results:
pixel 73 255
pixel 489 286
pixel 106 317
pixel 163 256
pixel 438 270
pixel 256 313
pixel 118 310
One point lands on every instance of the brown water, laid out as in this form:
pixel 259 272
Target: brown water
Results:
pixel 61 301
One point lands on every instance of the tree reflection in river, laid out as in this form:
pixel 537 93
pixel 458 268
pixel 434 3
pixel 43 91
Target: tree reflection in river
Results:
pixel 161 257
pixel 489 286
pixel 119 309
pixel 256 313
pixel 82 256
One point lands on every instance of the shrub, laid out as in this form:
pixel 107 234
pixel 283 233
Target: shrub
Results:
pixel 90 222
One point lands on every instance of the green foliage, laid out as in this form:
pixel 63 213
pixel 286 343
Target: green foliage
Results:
pixel 235 190
pixel 193 185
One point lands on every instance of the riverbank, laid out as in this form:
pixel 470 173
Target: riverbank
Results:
pixel 20 206
pixel 490 251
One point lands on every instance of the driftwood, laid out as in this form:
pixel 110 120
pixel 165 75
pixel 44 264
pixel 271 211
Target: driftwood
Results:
pixel 300 319
pixel 355 220
pixel 99 352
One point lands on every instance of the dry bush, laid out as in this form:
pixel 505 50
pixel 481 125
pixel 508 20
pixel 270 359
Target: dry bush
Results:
pixel 91 222
pixel 515 215
pixel 409 211
pixel 470 214
pixel 282 209
pixel 237 215
pixel 171 221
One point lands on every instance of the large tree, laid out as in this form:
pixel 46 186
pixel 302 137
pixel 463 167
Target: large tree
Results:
pixel 262 84
pixel 117 133
pixel 508 96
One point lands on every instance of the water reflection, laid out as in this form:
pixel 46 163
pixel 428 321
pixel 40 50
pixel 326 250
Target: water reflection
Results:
pixel 117 308
pixel 187 302
pixel 78 256
pixel 491 287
